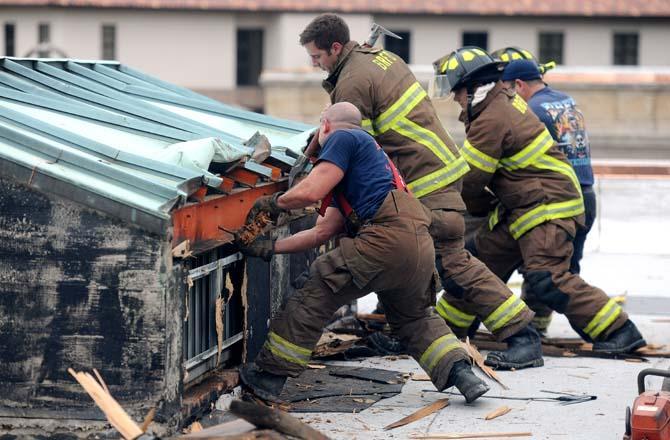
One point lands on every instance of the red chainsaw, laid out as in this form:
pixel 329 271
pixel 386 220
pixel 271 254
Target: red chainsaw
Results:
pixel 650 417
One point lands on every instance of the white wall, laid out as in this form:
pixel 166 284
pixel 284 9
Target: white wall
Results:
pixel 586 42
pixel 284 50
pixel 193 49
pixel 654 41
pixel 197 49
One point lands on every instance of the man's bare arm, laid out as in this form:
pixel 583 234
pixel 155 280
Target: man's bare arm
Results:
pixel 318 183
pixel 327 226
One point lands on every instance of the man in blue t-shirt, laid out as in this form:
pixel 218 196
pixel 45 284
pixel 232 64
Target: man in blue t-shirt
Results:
pixel 565 122
pixel 388 250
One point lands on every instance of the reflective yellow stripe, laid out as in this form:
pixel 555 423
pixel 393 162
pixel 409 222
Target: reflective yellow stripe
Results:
pixel 425 137
pixel 286 350
pixel 550 163
pixel 494 217
pixel 534 155
pixel 405 104
pixel 504 313
pixel 395 118
pixel 529 154
pixel 439 179
pixel 366 124
pixel 544 213
pixel 437 350
pixel 453 315
pixel 478 159
pixel 519 104
pixel 542 322
pixel 603 319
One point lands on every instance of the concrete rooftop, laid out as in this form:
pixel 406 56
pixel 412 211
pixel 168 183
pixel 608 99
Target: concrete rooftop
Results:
pixel 628 252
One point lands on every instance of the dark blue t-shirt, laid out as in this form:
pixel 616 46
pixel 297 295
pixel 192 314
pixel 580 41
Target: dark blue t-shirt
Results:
pixel 367 174
pixel 565 122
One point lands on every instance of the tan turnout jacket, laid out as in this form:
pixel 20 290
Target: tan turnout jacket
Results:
pixel 511 152
pixel 397 111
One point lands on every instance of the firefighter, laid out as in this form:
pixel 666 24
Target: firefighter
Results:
pixel 388 250
pixel 511 53
pixel 513 156
pixel 399 114
pixel 560 114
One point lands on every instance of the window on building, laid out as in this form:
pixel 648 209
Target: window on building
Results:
pixel 43 38
pixel 108 42
pixel 399 47
pixel 550 47
pixel 626 47
pixel 10 39
pixel 479 39
pixel 249 56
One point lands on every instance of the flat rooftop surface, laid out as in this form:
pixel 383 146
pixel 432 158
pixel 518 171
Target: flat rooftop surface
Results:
pixel 627 252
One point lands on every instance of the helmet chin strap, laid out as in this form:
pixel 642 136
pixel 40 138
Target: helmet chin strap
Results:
pixel 471 94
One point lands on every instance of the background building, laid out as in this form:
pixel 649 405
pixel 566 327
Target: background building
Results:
pixel 229 42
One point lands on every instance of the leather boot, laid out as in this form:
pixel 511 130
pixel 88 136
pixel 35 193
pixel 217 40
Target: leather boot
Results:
pixel 265 385
pixel 626 339
pixel 470 386
pixel 524 350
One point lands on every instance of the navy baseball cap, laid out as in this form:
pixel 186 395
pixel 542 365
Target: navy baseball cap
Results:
pixel 525 70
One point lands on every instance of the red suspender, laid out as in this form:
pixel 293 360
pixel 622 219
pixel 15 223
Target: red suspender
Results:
pixel 398 181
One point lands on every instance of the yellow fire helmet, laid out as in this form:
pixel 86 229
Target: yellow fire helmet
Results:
pixel 463 68
pixel 512 53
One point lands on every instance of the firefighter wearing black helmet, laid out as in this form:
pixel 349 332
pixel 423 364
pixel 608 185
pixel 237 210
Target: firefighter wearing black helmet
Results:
pixel 513 156
pixel 401 117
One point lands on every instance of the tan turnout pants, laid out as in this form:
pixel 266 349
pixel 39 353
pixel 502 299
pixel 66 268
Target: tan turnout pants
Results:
pixel 472 290
pixel 545 253
pixel 393 256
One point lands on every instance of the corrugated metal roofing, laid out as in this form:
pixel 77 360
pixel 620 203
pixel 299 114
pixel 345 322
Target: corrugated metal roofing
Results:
pixel 101 133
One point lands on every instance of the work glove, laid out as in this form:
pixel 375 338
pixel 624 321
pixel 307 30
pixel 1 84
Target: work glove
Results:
pixel 266 204
pixel 261 247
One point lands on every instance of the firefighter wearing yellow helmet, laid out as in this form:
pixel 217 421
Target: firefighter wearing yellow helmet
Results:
pixel 512 53
pixel 540 207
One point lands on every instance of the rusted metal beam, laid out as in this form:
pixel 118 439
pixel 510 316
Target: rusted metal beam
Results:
pixel 227 185
pixel 245 177
pixel 200 222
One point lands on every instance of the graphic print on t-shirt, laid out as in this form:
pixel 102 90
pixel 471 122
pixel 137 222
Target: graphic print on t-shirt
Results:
pixel 570 129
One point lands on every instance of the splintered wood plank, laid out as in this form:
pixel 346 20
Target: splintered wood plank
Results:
pixel 420 377
pixel 498 412
pixel 264 417
pixel 115 414
pixel 376 317
pixel 423 412
pixel 479 360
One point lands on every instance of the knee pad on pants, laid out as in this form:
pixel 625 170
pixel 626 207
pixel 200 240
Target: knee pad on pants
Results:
pixel 448 284
pixel 453 288
pixel 542 286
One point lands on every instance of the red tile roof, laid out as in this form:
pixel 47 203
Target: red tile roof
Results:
pixel 602 8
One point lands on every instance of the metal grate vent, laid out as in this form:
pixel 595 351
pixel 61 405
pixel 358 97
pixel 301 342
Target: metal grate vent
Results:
pixel 207 282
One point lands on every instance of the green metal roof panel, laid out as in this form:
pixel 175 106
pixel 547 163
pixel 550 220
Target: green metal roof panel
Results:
pixel 113 132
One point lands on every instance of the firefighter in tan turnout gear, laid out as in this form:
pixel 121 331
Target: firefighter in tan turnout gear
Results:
pixel 388 250
pixel 512 155
pixel 399 114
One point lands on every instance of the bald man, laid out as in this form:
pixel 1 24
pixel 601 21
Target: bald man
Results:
pixel 387 250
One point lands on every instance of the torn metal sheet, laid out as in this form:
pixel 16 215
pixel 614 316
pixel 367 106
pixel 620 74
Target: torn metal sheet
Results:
pixel 373 374
pixel 343 404
pixel 344 388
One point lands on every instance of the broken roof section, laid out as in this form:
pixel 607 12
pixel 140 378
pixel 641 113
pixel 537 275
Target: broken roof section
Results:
pixel 121 141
